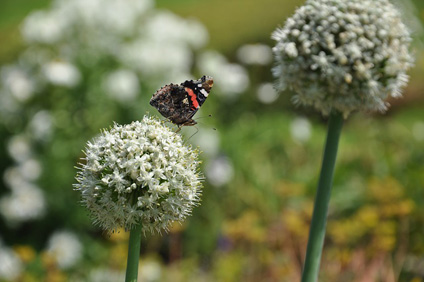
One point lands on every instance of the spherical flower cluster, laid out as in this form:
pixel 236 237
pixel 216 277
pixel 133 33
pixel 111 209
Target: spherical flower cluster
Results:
pixel 345 55
pixel 140 173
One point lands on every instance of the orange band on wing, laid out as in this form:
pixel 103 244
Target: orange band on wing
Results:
pixel 192 97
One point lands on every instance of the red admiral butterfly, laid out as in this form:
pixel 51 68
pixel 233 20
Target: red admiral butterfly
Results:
pixel 179 103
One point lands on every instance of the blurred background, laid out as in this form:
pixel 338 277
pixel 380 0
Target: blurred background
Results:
pixel 69 68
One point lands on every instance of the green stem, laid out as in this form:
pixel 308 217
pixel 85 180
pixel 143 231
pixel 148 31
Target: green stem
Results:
pixel 133 254
pixel 322 199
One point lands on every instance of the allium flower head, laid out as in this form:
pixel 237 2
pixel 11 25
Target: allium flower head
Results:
pixel 343 54
pixel 140 173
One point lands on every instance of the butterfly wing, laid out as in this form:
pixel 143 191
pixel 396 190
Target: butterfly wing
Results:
pixel 179 103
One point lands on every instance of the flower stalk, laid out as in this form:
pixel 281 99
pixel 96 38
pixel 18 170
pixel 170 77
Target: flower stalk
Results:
pixel 133 254
pixel 322 200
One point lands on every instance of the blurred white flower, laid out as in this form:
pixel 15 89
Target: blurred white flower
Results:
pixel 17 82
pixel 94 17
pixel 232 79
pixel 219 171
pixel 46 26
pixel 167 28
pixel 259 54
pixel 8 107
pixel 30 169
pixel 13 177
pixel 150 271
pixel 19 148
pixel 106 275
pixel 266 93
pixel 40 125
pixel 122 85
pixel 10 265
pixel 196 33
pixel 116 16
pixel 236 78
pixel 65 248
pixel 156 59
pixel 208 140
pixel 211 61
pixel 25 202
pixel 300 129
pixel 62 74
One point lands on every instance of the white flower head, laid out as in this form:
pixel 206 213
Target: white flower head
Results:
pixel 147 56
pixel 140 173
pixel 151 270
pixel 41 125
pixel 233 78
pixel 345 55
pixel 45 26
pixel 255 54
pixel 106 275
pixel 300 129
pixel 30 169
pixel 19 148
pixel 17 82
pixel 220 171
pixel 10 265
pixel 266 93
pixel 25 202
pixel 62 74
pixel 166 27
pixel 65 248
pixel 122 85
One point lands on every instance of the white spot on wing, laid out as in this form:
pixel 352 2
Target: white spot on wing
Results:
pixel 204 92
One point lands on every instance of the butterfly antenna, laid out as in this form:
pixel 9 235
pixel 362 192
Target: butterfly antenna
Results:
pixel 197 130
pixel 210 115
pixel 203 117
pixel 213 128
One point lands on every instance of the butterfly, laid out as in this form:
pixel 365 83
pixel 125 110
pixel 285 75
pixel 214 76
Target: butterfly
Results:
pixel 179 103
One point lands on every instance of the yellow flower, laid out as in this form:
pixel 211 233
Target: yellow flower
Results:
pixel 368 216
pixel 25 252
pixel 119 236
pixel 385 190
